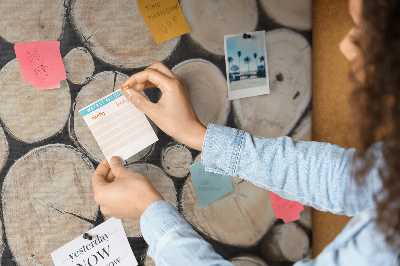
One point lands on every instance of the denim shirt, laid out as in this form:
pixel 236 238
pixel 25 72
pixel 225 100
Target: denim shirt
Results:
pixel 312 173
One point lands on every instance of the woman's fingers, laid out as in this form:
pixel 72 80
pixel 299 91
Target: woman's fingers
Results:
pixel 100 175
pixel 143 86
pixel 160 67
pixel 140 102
pixel 149 75
pixel 110 177
pixel 173 113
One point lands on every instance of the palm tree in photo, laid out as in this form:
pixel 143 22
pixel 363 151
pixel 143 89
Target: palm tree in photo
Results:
pixel 230 60
pixel 255 60
pixel 247 60
pixel 262 59
pixel 264 73
pixel 239 54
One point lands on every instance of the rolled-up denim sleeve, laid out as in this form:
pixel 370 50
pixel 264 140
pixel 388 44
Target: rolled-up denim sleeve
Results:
pixel 312 173
pixel 172 241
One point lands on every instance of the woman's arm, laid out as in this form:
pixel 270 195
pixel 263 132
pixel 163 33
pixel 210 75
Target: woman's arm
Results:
pixel 172 241
pixel 312 173
pixel 315 174
pixel 124 194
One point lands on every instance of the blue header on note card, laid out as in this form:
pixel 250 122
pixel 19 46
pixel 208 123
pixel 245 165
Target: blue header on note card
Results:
pixel 102 102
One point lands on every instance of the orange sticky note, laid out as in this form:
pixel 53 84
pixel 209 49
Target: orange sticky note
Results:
pixel 164 18
pixel 284 209
pixel 41 63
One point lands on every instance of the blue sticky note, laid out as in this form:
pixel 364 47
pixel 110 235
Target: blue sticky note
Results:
pixel 209 186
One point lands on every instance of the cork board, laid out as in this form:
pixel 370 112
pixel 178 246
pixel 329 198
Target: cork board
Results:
pixel 331 89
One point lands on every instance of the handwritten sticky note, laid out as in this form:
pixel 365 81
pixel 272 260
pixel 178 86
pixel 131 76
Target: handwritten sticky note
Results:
pixel 209 186
pixel 284 209
pixel 108 246
pixel 164 18
pixel 118 126
pixel 41 64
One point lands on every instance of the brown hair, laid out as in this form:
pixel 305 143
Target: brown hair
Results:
pixel 376 107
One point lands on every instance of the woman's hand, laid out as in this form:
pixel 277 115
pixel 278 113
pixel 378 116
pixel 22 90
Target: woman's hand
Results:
pixel 126 197
pixel 174 113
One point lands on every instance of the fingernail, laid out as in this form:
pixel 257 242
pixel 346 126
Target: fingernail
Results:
pixel 115 160
pixel 128 93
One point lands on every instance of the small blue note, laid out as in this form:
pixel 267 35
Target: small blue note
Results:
pixel 209 186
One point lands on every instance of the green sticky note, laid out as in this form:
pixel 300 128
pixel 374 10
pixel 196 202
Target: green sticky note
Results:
pixel 209 186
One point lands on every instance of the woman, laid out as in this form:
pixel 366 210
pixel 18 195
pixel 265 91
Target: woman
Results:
pixel 317 174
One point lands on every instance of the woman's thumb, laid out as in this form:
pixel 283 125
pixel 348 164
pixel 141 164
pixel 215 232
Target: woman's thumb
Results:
pixel 117 167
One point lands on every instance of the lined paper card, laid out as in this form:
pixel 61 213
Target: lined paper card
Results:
pixel 118 126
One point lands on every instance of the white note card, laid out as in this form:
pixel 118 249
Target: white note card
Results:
pixel 109 246
pixel 118 126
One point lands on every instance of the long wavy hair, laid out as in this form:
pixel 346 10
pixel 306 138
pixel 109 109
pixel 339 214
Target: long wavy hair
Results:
pixel 375 103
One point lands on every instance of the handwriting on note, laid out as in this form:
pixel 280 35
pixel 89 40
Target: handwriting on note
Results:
pixel 164 18
pixel 41 63
pixel 209 186
pixel 284 209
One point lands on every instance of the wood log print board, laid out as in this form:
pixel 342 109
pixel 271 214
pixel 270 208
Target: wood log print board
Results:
pixel 105 43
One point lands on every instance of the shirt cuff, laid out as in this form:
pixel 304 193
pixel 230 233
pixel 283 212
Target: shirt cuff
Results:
pixel 159 218
pixel 221 150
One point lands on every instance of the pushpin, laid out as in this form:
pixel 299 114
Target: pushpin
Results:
pixel 87 236
pixel 125 88
pixel 246 36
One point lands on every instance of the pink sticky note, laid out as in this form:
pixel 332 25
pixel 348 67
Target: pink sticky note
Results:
pixel 41 63
pixel 287 210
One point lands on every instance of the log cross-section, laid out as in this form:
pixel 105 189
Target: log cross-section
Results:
pixel 207 89
pixel 210 20
pixel 293 14
pixel 79 65
pixel 29 21
pixel 176 159
pixel 31 115
pixel 115 33
pixel 248 261
pixel 3 149
pixel 286 242
pixel 47 201
pixel 240 218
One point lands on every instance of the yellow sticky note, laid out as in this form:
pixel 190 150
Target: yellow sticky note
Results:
pixel 164 18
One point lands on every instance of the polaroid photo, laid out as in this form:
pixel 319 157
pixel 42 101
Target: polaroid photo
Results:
pixel 246 65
